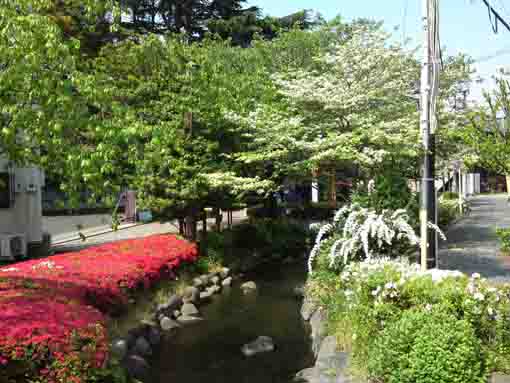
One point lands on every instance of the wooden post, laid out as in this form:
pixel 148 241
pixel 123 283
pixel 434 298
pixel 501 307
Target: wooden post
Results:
pixel 188 123
pixel 219 219
pixel 332 188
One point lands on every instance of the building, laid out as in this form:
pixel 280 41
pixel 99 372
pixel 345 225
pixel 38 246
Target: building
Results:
pixel 20 208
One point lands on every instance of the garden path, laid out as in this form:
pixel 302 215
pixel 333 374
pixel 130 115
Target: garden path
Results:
pixel 472 245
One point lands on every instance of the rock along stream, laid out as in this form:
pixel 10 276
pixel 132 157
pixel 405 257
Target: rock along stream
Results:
pixel 210 351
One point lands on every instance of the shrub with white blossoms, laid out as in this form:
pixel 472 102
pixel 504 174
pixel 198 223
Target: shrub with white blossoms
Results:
pixel 358 233
pixel 369 298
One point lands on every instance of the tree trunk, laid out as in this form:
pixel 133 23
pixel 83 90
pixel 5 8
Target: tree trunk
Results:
pixel 203 238
pixel 182 226
pixel 219 219
pixel 191 227
pixel 332 188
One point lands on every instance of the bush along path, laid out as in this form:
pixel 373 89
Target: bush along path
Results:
pixel 387 321
pixel 54 311
pixel 378 318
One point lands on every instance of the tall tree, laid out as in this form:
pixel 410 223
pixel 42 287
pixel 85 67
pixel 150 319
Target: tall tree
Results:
pixel 488 130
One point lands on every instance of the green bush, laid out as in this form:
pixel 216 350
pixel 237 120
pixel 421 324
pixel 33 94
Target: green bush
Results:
pixel 450 196
pixel 390 192
pixel 426 347
pixel 266 238
pixel 366 304
pixel 448 212
pixel 504 237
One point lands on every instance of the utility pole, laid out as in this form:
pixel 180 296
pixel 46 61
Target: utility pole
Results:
pixel 428 190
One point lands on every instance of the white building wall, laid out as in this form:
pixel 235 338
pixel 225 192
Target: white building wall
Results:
pixel 25 216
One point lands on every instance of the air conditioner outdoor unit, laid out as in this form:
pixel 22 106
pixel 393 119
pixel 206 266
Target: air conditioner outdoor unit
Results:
pixel 12 246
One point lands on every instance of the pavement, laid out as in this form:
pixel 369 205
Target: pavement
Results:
pixel 472 245
pixel 65 235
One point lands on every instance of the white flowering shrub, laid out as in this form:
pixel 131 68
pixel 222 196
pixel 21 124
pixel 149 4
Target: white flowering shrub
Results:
pixel 358 233
pixel 371 303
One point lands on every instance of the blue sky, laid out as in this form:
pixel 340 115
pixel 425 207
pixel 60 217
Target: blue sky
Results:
pixel 465 25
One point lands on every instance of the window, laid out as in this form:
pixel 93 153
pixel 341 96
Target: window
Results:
pixel 6 184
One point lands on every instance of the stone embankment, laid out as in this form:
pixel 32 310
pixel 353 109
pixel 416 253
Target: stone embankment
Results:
pixel 136 349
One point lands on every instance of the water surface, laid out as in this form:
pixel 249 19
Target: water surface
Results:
pixel 210 351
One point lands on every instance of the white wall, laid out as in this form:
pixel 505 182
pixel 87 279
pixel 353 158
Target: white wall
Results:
pixel 26 214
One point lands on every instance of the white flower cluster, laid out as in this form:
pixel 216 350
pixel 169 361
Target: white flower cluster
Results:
pixel 480 297
pixel 358 228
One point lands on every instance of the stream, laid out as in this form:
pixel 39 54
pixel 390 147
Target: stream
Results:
pixel 211 350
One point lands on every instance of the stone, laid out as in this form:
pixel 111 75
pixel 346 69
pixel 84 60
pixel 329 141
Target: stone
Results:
pixel 214 289
pixel 142 347
pixel 188 320
pixel 205 279
pixel 137 367
pixel 162 308
pixel 225 272
pixel 154 336
pixel 174 302
pixel 131 338
pixel 299 291
pixel 259 345
pixel 227 282
pixel 215 280
pixel 249 287
pixel 318 325
pixel 308 309
pixel 206 295
pixel 331 365
pixel 189 309
pixel 119 348
pixel 305 376
pixel 198 283
pixel 168 324
pixel 191 295
pixel 176 313
pixel 328 356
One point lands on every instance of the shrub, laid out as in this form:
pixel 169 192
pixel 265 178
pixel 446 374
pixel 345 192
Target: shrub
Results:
pixel 504 237
pixel 357 233
pixel 369 297
pixel 448 210
pixel 450 196
pixel 270 237
pixel 53 310
pixel 388 191
pixel 426 347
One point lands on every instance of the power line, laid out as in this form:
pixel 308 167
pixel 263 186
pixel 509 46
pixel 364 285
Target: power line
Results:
pixel 497 18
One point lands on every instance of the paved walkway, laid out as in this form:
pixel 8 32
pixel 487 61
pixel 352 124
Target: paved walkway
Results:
pixel 129 233
pixel 472 245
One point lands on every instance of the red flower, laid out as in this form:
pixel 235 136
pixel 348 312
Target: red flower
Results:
pixel 52 303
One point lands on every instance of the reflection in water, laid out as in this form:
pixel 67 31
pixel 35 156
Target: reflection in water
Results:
pixel 210 351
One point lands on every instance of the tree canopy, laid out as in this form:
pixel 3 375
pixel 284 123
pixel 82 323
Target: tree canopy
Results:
pixel 192 120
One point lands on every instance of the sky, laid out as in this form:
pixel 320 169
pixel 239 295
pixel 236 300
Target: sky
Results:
pixel 465 25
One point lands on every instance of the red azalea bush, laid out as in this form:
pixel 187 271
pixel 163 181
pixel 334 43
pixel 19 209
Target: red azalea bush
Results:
pixel 52 310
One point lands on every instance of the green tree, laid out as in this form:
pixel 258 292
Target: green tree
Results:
pixel 487 131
